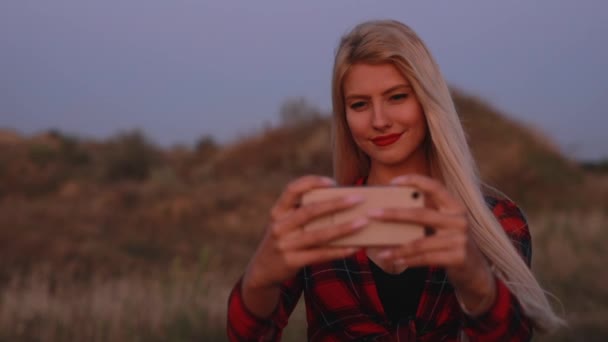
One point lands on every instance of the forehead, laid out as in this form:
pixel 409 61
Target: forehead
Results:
pixel 372 78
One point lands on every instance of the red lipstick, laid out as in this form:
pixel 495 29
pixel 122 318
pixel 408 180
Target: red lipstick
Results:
pixel 386 140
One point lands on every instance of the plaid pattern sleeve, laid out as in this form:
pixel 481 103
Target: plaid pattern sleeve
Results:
pixel 505 320
pixel 243 325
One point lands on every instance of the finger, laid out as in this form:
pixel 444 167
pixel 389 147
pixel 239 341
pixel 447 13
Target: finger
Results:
pixel 434 191
pixel 318 255
pixel 305 214
pixel 319 237
pixel 434 259
pixel 422 216
pixel 291 197
pixel 425 246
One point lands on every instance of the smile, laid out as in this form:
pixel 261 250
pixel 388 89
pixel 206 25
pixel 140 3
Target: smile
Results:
pixel 386 140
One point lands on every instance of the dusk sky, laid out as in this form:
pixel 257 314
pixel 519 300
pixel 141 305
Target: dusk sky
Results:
pixel 180 69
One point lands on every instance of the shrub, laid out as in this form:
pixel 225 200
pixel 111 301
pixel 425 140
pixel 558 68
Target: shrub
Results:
pixel 42 154
pixel 206 146
pixel 297 110
pixel 130 157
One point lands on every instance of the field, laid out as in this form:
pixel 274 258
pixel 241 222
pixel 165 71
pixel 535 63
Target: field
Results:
pixel 120 240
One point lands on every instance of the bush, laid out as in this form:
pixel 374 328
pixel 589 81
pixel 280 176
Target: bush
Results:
pixel 130 157
pixel 42 154
pixel 72 152
pixel 599 166
pixel 206 146
pixel 297 110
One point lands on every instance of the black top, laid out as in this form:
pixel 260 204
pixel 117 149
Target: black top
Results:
pixel 399 293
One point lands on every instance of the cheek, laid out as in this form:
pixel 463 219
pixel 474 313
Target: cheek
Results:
pixel 413 117
pixel 409 113
pixel 421 117
pixel 419 127
pixel 422 132
pixel 357 126
pixel 421 122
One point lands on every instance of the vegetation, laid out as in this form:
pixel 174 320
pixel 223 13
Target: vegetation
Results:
pixel 120 240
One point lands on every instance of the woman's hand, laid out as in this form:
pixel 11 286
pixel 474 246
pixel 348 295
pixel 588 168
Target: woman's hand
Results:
pixel 450 246
pixel 286 247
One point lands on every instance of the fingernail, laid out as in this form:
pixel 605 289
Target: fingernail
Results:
pixel 376 212
pixel 385 254
pixel 399 262
pixel 400 179
pixel 360 223
pixel 353 199
pixel 328 181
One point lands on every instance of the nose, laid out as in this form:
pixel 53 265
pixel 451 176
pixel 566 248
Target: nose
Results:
pixel 380 121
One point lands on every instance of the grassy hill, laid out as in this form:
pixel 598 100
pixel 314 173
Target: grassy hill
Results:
pixel 166 232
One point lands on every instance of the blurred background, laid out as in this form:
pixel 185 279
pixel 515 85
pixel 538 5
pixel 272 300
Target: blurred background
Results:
pixel 142 144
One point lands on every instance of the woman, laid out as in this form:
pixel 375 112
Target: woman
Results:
pixel 395 124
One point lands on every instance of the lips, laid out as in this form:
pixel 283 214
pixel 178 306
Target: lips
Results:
pixel 386 140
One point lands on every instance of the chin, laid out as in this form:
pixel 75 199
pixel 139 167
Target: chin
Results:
pixel 391 159
pixel 399 154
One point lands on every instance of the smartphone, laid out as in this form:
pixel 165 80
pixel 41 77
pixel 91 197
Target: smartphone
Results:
pixel 376 233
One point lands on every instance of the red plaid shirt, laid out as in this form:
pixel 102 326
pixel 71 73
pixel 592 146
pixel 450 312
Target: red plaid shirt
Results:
pixel 342 302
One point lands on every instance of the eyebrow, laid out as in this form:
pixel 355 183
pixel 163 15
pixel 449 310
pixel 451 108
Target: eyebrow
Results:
pixel 389 90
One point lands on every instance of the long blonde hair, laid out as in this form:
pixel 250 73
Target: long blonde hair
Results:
pixel 449 156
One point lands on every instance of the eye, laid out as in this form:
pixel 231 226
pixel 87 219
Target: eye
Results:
pixel 357 105
pixel 398 97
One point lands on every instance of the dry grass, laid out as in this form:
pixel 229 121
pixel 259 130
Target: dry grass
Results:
pixel 568 258
pixel 176 305
pixel 184 304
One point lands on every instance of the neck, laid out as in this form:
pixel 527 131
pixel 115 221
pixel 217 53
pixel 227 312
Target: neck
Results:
pixel 382 174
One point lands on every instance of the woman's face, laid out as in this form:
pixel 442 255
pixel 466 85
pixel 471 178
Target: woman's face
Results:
pixel 385 118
